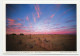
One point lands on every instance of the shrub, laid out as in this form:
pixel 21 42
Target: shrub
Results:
pixel 21 34
pixel 13 34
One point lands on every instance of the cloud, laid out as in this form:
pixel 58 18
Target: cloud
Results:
pixel 70 17
pixel 63 13
pixel 68 10
pixel 65 32
pixel 30 26
pixel 37 8
pixel 70 21
pixel 34 18
pixel 13 27
pixel 52 16
pixel 48 19
pixel 57 8
pixel 19 19
pixel 57 24
pixel 15 30
pixel 64 27
pixel 73 26
pixel 27 18
pixel 10 20
pixel 16 24
pixel 24 27
pixel 30 23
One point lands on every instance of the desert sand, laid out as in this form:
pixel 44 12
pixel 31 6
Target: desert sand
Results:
pixel 41 42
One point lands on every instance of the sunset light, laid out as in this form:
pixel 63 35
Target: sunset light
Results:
pixel 41 18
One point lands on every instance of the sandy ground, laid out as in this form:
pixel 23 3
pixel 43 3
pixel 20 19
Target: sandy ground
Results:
pixel 40 42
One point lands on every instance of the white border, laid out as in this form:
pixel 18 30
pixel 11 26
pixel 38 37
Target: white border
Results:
pixel 38 52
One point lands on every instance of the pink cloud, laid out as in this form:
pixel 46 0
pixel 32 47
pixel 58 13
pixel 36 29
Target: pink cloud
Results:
pixel 17 31
pixel 62 14
pixel 27 18
pixel 10 20
pixel 48 19
pixel 64 27
pixel 70 21
pixel 24 27
pixel 68 10
pixel 37 8
pixel 34 18
pixel 65 32
pixel 30 26
pixel 27 26
pixel 56 8
pixel 18 24
pixel 57 24
pixel 12 23
pixel 19 19
pixel 30 23
pixel 52 16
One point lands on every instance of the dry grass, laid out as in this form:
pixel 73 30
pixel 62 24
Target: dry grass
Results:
pixel 41 42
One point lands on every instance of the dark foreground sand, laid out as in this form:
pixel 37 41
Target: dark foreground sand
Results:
pixel 41 42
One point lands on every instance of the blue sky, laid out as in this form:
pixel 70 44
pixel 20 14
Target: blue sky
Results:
pixel 41 18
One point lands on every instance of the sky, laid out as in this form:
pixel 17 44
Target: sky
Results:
pixel 41 18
